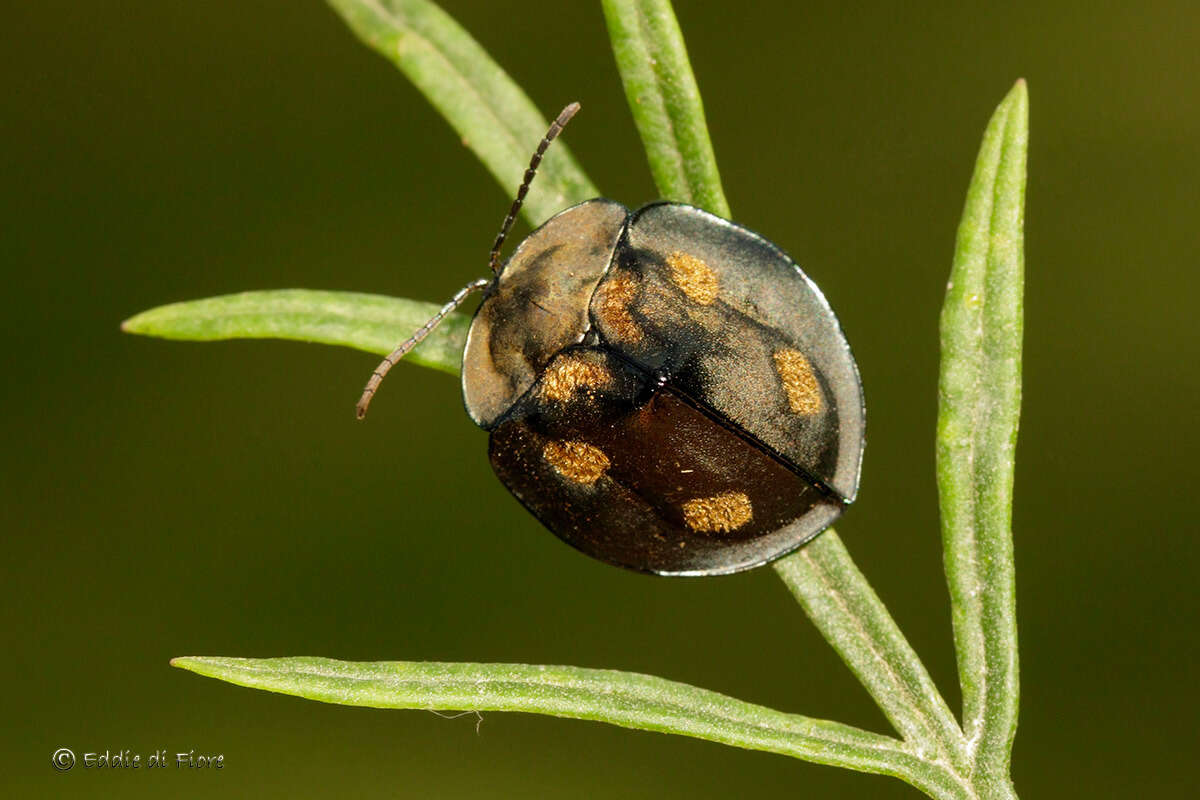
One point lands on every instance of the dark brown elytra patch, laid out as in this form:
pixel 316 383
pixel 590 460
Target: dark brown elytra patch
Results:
pixel 669 499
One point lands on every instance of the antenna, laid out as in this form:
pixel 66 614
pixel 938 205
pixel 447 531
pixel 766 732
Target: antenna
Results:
pixel 385 366
pixel 556 127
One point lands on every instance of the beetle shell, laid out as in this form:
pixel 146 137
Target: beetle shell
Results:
pixel 665 390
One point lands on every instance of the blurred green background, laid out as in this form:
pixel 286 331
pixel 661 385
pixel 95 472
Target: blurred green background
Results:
pixel 163 499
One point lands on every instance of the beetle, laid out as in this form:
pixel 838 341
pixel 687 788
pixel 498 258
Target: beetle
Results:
pixel 664 389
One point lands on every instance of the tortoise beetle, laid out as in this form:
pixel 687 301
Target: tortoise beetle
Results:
pixel 664 390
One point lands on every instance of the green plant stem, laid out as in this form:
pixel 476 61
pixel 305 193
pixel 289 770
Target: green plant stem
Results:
pixel 665 101
pixel 619 698
pixel 841 603
pixel 979 402
pixel 492 114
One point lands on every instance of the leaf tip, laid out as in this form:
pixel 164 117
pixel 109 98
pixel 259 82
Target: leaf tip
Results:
pixel 194 664
pixel 143 323
pixel 1018 95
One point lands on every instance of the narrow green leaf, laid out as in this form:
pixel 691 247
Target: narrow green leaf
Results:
pixel 851 617
pixel 665 101
pixel 368 322
pixel 979 402
pixel 626 699
pixel 494 117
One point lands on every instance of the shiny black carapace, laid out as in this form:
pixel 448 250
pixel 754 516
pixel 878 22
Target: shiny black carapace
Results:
pixel 665 390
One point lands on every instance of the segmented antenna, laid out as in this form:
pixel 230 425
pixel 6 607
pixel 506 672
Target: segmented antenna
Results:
pixel 385 366
pixel 556 127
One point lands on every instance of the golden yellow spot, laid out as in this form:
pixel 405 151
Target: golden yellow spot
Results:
pixel 721 513
pixel 799 382
pixel 694 277
pixel 576 461
pixel 616 294
pixel 568 375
